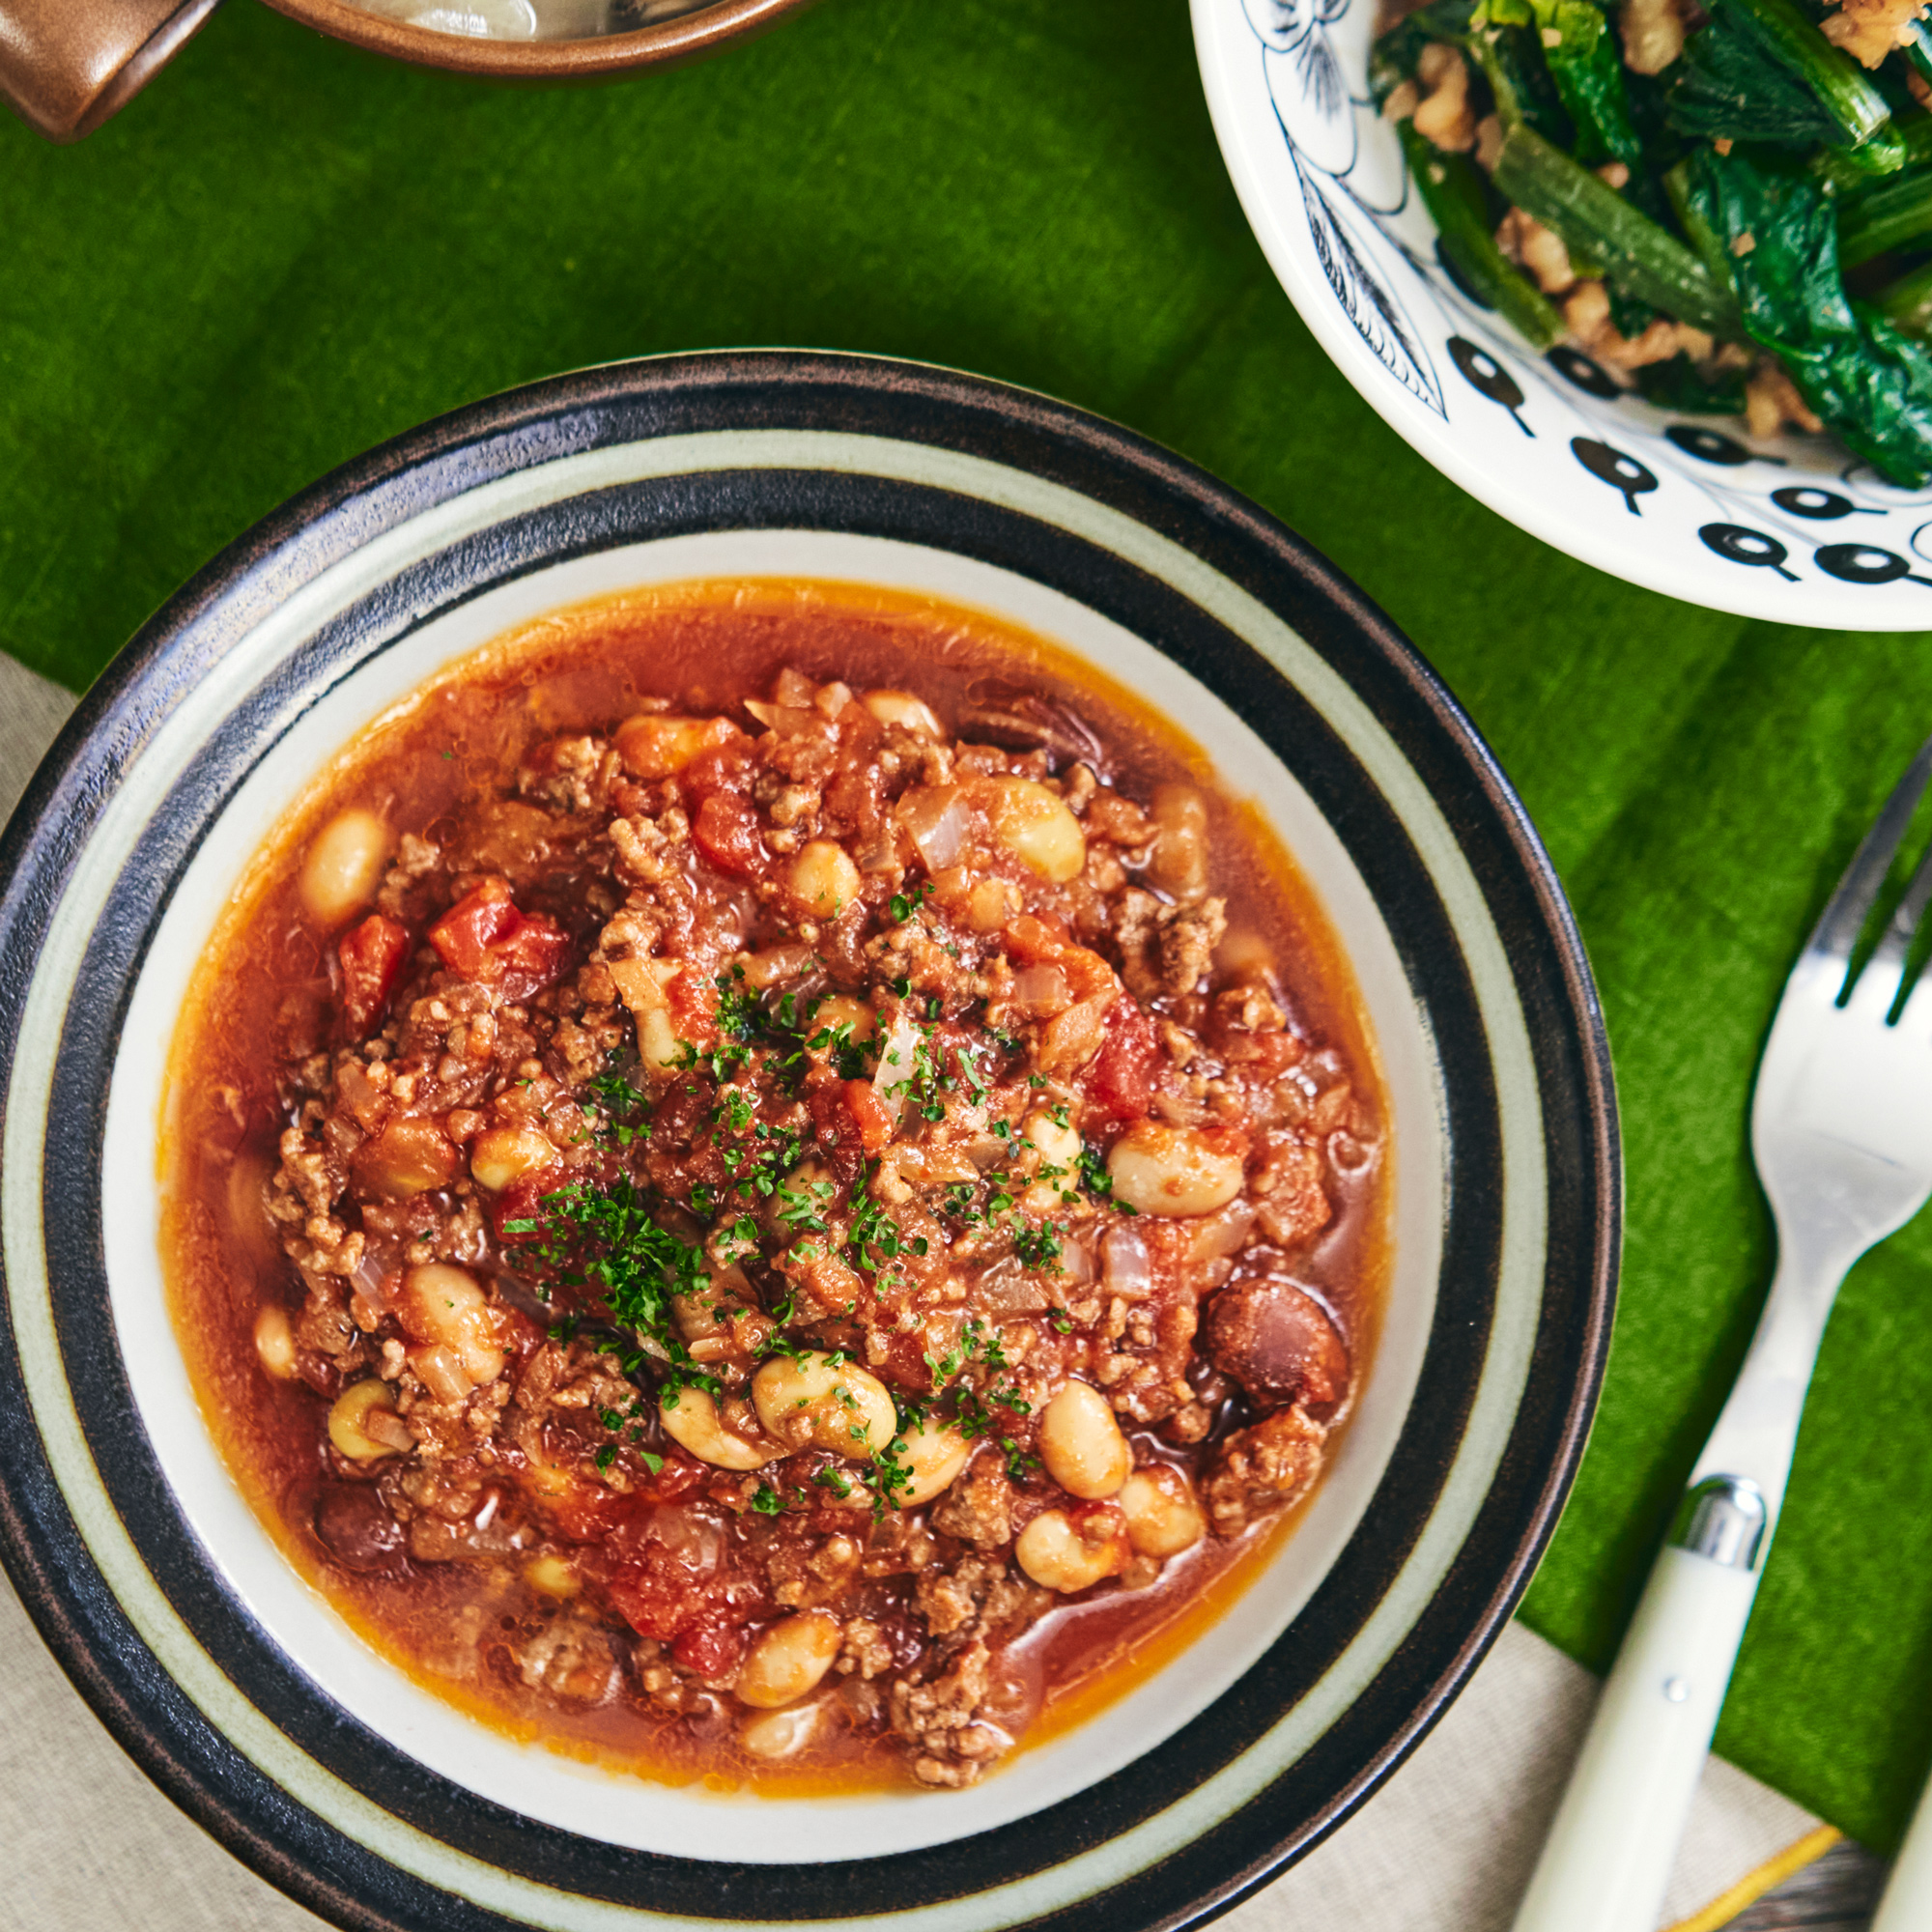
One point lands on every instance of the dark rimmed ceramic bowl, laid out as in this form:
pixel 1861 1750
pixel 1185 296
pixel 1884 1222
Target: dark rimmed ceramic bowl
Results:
pixel 239 1692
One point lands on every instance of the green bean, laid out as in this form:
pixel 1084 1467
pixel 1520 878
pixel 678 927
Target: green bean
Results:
pixel 1850 172
pixel 1841 84
pixel 1886 214
pixel 1705 241
pixel 1906 303
pixel 1451 188
pixel 1592 217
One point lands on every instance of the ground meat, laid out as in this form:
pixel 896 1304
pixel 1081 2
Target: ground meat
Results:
pixel 1261 1467
pixel 1165 948
pixel 939 1720
pixel 571 1657
pixel 979 1508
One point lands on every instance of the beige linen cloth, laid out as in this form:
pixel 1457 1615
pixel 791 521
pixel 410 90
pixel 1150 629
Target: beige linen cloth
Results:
pixel 1446 1846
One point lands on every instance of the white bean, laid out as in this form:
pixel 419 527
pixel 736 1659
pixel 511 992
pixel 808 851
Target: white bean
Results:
pixel 904 709
pixel 275 1343
pixel 824 876
pixel 1064 1554
pixel 772 965
pixel 1162 1169
pixel 808 1401
pixel 1179 862
pixel 842 1011
pixel 1032 821
pixel 352 1415
pixel 789 1661
pixel 775 1734
pixel 553 1576
pixel 708 1315
pixel 344 866
pixel 932 1457
pixel 500 1155
pixel 1082 1445
pixel 1163 1517
pixel 693 1423
pixel 643 986
pixel 1054 1146
pixel 443 1305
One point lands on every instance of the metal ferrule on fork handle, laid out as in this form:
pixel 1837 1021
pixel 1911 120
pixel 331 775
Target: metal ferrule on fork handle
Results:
pixel 1722 1518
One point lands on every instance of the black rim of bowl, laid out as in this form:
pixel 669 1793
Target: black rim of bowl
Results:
pixel 43 1551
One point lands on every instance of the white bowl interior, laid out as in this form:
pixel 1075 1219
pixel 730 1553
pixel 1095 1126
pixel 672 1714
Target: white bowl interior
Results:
pixel 631 1811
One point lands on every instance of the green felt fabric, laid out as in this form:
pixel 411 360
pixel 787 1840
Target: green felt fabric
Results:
pixel 287 250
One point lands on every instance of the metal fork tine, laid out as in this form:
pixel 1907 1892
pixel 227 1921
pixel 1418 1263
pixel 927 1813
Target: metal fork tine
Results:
pixel 1902 927
pixel 1845 913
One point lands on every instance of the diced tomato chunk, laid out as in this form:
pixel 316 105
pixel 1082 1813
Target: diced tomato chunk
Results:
pixel 711 1648
pixel 1034 938
pixel 647 1605
pixel 671 1593
pixel 862 1113
pixel 586 1511
pixel 486 938
pixel 852 1122
pixel 726 832
pixel 1120 1083
pixel 680 1475
pixel 372 957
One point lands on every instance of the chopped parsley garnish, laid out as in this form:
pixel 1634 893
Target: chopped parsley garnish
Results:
pixel 766 1500
pixel 801 1207
pixel 606 1244
pixel 1095 1178
pixel 848 1054
pixel 875 1237
pixel 1040 1247
pixel 626 1112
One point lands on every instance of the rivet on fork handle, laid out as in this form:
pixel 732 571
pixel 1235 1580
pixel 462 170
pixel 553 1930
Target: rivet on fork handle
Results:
pixel 1722 1518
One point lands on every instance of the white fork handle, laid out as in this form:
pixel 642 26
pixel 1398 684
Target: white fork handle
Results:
pixel 1906 1904
pixel 1608 1856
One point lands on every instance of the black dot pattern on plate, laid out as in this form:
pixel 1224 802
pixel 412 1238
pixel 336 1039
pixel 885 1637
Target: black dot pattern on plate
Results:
pixel 1576 368
pixel 1488 377
pixel 1622 473
pixel 1866 563
pixel 1738 544
pixel 1708 445
pixel 1819 505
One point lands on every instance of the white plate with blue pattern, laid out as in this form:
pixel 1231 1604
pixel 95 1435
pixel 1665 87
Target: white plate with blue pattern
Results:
pixel 1794 529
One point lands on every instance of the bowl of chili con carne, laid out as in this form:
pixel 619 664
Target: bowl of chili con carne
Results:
pixel 786 1138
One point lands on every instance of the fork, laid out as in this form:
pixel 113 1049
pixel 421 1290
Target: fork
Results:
pixel 1841 1132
